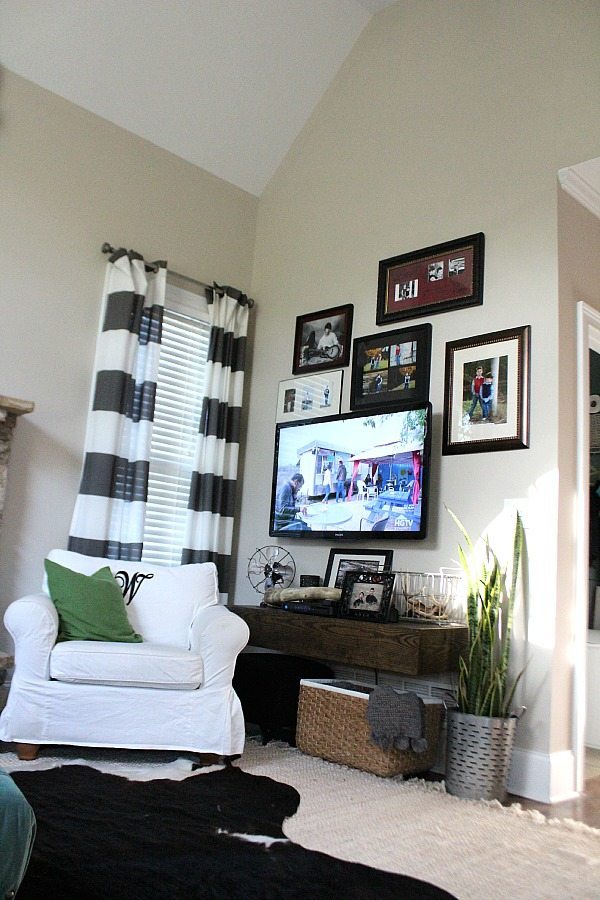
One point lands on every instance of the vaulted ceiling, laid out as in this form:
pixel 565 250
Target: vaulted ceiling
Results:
pixel 224 84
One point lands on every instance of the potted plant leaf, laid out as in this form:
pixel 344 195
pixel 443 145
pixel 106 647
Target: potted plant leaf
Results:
pixel 481 726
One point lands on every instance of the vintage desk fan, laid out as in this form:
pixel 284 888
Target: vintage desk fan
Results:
pixel 271 567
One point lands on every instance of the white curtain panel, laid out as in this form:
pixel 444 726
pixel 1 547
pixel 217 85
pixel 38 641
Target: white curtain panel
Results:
pixel 108 519
pixel 209 526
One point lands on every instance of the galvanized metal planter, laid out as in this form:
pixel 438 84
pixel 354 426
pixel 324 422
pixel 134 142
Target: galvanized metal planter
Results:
pixel 478 754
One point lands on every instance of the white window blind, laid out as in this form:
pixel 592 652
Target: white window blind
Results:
pixel 179 392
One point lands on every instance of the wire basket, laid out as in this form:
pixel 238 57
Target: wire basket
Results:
pixel 430 596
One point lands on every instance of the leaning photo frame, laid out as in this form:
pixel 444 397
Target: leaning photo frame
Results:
pixel 342 561
pixel 367 596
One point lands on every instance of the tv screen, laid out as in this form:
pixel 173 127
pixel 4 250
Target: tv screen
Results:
pixel 354 475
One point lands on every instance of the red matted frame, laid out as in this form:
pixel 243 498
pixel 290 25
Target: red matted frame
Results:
pixel 432 280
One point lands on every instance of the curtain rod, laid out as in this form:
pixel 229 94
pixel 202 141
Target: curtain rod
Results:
pixel 154 266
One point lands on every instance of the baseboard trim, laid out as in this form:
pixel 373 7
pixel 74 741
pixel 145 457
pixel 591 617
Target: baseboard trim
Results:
pixel 545 777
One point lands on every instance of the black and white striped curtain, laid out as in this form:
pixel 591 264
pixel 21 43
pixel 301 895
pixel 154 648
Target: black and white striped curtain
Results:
pixel 209 527
pixel 108 520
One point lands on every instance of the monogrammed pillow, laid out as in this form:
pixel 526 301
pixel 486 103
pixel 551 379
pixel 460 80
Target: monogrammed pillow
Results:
pixel 161 601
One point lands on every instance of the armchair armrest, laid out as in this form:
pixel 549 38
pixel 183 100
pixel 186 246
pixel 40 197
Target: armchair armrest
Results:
pixel 218 635
pixel 32 622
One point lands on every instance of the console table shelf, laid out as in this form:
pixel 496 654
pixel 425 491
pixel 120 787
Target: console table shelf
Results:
pixel 403 648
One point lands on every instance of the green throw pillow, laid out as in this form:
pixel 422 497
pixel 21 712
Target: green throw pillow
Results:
pixel 90 607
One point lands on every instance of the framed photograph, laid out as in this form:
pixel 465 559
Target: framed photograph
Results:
pixel 432 280
pixel 367 595
pixel 322 340
pixel 309 396
pixel 391 367
pixel 342 561
pixel 486 392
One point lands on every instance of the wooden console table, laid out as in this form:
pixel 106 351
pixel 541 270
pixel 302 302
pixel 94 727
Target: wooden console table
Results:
pixel 404 648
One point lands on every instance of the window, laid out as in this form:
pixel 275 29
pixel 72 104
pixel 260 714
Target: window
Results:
pixel 179 392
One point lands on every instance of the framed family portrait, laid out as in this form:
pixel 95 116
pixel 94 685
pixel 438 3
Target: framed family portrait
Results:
pixel 367 595
pixel 342 561
pixel 309 396
pixel 391 367
pixel 322 340
pixel 486 392
pixel 431 280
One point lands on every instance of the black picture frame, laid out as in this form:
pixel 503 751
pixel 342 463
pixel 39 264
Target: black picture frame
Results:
pixel 311 330
pixel 359 587
pixel 391 367
pixel 341 561
pixel 475 424
pixel 432 280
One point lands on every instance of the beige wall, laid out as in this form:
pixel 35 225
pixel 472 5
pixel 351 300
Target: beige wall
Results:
pixel 447 119
pixel 68 182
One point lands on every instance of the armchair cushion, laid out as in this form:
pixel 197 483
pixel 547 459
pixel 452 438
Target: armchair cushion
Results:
pixel 90 607
pixel 143 665
pixel 161 601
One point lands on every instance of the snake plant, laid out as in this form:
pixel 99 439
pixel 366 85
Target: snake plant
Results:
pixel 484 688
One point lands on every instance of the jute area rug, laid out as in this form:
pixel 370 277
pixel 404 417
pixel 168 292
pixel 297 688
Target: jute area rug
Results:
pixel 474 850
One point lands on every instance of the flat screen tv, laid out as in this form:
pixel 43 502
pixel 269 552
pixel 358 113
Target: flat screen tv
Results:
pixel 353 476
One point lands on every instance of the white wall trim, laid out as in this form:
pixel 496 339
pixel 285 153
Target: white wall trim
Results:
pixel 547 778
pixel 583 183
pixel 588 336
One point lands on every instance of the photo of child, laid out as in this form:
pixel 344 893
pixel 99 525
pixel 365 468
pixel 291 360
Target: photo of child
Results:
pixel 485 390
pixel 367 599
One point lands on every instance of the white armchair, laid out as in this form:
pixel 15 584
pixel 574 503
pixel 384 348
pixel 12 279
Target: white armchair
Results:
pixel 172 691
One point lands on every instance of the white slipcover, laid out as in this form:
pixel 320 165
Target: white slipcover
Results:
pixel 147 696
pixel 103 662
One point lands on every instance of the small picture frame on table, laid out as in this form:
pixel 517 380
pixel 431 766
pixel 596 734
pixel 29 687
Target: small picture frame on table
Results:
pixel 391 367
pixel 486 392
pixel 309 396
pixel 367 596
pixel 431 280
pixel 322 340
pixel 342 561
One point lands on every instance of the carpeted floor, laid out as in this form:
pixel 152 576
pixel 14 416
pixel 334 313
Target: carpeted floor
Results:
pixel 473 850
pixel 476 850
pixel 215 836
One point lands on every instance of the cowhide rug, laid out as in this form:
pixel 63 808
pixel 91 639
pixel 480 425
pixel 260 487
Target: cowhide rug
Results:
pixel 213 835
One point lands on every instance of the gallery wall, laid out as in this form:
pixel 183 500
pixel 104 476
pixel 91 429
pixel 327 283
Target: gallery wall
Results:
pixel 446 119
pixel 70 181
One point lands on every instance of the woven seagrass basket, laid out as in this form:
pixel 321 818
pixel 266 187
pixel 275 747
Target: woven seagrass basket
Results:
pixel 332 724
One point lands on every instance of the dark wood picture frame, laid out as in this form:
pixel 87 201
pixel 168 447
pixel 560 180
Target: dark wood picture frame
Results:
pixel 359 588
pixel 431 280
pixel 472 422
pixel 342 561
pixel 310 354
pixel 391 367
